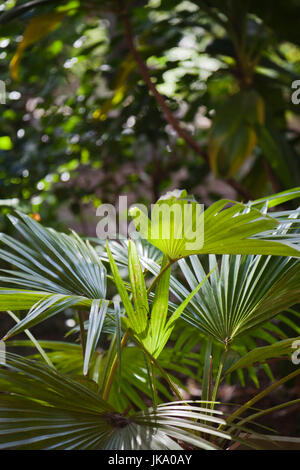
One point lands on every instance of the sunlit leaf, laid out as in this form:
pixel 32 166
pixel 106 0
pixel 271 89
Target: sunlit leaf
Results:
pixel 238 229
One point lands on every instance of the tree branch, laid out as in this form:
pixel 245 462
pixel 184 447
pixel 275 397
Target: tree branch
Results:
pixel 244 192
pixel 144 71
pixel 169 116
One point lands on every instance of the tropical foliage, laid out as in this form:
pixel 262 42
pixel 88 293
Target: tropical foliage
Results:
pixel 142 328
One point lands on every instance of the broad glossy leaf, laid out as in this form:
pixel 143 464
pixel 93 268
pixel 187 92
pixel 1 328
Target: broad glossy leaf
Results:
pixel 37 28
pixel 233 136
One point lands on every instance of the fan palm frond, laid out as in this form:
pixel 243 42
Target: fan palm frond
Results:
pixel 238 229
pixel 56 271
pixel 152 329
pixel 132 385
pixel 43 409
pixel 242 294
pixel 52 262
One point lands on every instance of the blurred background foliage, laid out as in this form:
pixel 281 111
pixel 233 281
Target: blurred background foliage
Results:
pixel 82 125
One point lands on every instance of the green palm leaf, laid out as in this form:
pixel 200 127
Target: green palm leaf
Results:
pixel 153 333
pixel 241 295
pixel 276 199
pixel 43 409
pixel 56 271
pixel 262 353
pixel 119 250
pixel 51 261
pixel 238 229
pixel 96 320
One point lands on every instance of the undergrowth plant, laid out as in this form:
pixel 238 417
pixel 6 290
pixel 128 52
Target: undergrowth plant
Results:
pixel 149 314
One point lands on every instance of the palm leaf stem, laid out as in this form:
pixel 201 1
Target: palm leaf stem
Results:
pixel 164 374
pixel 114 368
pixel 219 376
pixel 152 372
pixel 206 381
pixel 82 332
pixel 162 271
pixel 260 395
